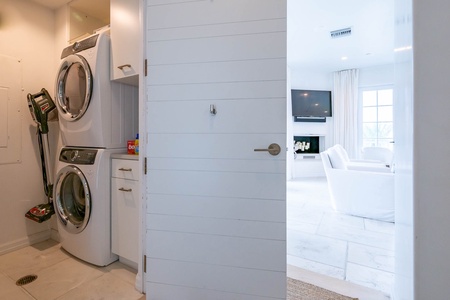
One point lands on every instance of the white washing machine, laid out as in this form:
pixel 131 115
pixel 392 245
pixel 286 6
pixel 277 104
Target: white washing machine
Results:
pixel 93 110
pixel 82 203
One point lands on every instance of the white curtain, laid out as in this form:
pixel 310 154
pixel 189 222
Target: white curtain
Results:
pixel 345 110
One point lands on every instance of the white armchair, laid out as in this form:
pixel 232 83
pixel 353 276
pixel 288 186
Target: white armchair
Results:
pixel 372 163
pixel 384 155
pixel 361 193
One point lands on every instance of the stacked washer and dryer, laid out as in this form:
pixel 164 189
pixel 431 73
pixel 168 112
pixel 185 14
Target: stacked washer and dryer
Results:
pixel 96 118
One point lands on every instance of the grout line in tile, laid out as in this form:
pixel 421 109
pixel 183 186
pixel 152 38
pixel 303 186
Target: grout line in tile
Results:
pixel 346 260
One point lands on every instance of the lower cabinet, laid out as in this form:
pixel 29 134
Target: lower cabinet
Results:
pixel 125 208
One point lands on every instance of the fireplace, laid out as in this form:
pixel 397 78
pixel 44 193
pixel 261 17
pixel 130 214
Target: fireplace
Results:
pixel 307 144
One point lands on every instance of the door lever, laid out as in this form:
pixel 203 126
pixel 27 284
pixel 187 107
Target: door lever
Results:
pixel 273 149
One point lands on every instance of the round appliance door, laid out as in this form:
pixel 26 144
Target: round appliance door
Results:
pixel 72 199
pixel 73 87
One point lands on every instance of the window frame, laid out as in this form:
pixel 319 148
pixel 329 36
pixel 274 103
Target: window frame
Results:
pixel 360 111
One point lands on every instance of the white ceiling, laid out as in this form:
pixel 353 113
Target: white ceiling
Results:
pixel 52 3
pixel 95 8
pixel 309 23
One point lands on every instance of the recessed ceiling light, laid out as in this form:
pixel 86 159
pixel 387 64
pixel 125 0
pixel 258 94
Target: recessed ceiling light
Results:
pixel 344 58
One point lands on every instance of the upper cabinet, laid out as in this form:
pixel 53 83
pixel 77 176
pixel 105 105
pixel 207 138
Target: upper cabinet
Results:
pixel 86 16
pixel 125 60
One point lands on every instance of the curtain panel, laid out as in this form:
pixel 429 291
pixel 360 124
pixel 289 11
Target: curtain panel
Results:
pixel 345 110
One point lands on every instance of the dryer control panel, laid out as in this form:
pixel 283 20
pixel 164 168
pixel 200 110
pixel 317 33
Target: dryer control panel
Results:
pixel 78 156
pixel 76 47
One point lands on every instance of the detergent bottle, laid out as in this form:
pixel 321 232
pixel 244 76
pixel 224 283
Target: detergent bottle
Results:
pixel 136 144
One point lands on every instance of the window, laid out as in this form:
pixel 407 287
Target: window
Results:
pixel 377 118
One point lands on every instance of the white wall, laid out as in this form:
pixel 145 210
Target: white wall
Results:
pixel 376 76
pixel 431 146
pixel 312 80
pixel 27 33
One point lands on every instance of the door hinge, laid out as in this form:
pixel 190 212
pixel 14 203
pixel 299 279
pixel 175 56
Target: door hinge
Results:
pixel 145 165
pixel 145 67
pixel 145 263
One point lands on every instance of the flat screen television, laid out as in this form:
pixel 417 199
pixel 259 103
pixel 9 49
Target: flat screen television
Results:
pixel 311 104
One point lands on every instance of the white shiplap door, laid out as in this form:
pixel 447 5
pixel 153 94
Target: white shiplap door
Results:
pixel 216 218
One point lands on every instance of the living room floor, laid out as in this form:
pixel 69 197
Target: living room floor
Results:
pixel 350 248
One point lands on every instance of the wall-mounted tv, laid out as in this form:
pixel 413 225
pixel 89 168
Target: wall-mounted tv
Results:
pixel 311 104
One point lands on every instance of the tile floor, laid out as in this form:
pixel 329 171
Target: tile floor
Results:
pixel 63 277
pixel 346 247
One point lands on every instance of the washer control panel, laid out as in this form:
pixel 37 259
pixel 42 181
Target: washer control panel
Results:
pixel 78 156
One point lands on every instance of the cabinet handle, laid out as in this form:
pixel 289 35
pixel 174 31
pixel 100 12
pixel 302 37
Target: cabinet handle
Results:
pixel 124 66
pixel 126 169
pixel 125 190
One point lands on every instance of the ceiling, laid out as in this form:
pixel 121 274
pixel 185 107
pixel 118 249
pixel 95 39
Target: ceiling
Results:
pixel 310 46
pixel 52 3
pixel 95 8
pixel 309 23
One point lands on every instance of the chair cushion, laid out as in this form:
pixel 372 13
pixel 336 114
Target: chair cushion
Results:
pixel 337 161
pixel 342 152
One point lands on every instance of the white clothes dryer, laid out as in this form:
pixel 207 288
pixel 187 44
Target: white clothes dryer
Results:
pixel 82 203
pixel 93 110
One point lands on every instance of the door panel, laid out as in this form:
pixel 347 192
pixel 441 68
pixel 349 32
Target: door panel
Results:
pixel 224 165
pixel 213 278
pixel 217 184
pixel 194 50
pixel 209 13
pixel 220 71
pixel 224 250
pixel 194 116
pixel 189 32
pixel 216 209
pixel 214 145
pixel 219 91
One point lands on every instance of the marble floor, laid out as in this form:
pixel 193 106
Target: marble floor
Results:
pixel 63 277
pixel 350 248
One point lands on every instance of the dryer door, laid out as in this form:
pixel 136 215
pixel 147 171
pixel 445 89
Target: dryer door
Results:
pixel 73 87
pixel 72 199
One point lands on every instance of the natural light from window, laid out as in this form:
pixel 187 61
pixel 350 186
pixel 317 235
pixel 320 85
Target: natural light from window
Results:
pixel 377 118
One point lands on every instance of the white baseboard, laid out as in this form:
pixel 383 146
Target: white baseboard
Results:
pixel 24 242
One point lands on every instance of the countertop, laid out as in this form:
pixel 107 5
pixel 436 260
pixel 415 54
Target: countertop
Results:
pixel 125 156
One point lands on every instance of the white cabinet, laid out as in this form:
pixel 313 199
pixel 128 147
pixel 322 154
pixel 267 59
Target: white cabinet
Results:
pixel 125 208
pixel 125 29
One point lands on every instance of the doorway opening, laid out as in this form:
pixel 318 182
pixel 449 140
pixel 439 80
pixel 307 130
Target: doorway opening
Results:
pixel 320 240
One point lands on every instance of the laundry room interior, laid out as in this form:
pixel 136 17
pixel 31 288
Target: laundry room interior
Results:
pixel 33 36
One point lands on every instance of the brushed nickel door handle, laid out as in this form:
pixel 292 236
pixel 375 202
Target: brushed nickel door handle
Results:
pixel 124 66
pixel 273 149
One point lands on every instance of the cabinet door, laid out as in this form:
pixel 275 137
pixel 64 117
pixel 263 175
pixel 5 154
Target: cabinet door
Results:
pixel 125 216
pixel 125 41
pixel 124 168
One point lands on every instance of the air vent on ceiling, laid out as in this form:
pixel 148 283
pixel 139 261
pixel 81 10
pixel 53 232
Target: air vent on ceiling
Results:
pixel 341 32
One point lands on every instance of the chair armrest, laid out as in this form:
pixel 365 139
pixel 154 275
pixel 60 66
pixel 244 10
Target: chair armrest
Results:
pixel 372 167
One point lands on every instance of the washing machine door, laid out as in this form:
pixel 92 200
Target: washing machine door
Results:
pixel 73 87
pixel 72 199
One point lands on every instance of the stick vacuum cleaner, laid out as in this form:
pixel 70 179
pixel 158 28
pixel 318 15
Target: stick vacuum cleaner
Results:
pixel 41 105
